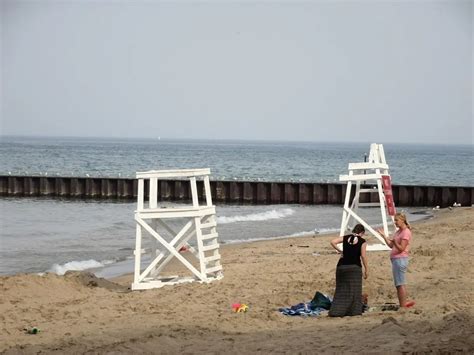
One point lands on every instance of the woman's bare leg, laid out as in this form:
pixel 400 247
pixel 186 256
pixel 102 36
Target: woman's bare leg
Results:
pixel 402 295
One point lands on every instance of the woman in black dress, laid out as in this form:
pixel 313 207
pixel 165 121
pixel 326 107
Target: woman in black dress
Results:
pixel 348 296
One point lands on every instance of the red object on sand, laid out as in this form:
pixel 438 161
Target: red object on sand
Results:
pixel 183 248
pixel 409 304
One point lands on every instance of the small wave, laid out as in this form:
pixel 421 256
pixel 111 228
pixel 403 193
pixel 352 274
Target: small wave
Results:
pixel 326 230
pixel 303 234
pixel 108 262
pixel 263 216
pixel 250 240
pixel 75 266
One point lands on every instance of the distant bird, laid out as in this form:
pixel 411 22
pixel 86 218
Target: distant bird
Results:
pixel 87 175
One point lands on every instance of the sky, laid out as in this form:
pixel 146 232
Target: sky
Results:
pixel 340 71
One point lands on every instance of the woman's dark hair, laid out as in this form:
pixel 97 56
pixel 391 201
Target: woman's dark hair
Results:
pixel 359 228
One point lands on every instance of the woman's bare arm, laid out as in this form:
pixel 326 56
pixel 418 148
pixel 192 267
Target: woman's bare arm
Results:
pixel 400 246
pixel 336 241
pixel 389 242
pixel 363 256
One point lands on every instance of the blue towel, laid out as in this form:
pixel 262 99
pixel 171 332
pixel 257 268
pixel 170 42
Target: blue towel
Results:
pixel 302 309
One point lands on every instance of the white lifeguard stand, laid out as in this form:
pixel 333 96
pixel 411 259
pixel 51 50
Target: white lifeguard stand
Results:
pixel 200 222
pixel 375 170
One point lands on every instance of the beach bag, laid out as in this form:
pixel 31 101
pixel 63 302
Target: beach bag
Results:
pixel 320 300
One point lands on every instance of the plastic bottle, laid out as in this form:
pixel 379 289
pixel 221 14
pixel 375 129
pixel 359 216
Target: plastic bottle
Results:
pixel 33 330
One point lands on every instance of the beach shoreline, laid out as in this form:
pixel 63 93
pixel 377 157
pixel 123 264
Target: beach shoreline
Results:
pixel 103 237
pixel 122 268
pixel 77 314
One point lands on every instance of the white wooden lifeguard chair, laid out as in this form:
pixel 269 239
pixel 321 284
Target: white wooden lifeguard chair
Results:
pixel 199 220
pixel 375 170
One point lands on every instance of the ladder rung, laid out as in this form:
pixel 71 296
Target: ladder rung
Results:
pixel 208 224
pixel 369 190
pixel 360 177
pixel 210 247
pixel 369 204
pixel 209 236
pixel 212 258
pixel 214 269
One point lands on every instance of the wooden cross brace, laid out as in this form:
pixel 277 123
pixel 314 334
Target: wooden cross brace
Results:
pixel 181 238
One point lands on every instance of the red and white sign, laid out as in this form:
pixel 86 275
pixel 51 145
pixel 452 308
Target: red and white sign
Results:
pixel 387 191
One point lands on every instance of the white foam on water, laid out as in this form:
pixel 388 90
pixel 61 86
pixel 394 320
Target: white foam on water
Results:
pixel 294 235
pixel 263 216
pixel 108 262
pixel 326 230
pixel 302 234
pixel 75 266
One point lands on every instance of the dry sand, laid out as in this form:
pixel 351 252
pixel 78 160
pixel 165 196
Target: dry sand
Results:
pixel 78 313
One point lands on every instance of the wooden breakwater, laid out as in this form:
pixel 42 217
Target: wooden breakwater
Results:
pixel 227 191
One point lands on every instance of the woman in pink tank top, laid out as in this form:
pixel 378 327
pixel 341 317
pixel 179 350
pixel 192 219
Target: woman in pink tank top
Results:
pixel 400 244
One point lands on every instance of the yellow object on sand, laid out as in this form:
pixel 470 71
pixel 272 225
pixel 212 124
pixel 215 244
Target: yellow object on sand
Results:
pixel 243 308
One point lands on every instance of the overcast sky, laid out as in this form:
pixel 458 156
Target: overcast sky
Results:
pixel 398 71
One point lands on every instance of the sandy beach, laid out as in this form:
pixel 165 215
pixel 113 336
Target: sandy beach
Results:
pixel 78 313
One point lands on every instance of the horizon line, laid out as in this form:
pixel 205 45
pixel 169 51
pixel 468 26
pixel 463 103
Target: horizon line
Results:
pixel 259 140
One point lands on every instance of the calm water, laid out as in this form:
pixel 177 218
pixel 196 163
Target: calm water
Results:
pixel 266 161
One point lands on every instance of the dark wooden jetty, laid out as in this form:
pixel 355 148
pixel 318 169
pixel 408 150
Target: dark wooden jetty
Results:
pixel 248 192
